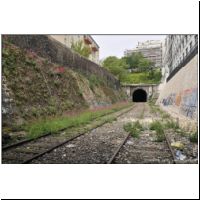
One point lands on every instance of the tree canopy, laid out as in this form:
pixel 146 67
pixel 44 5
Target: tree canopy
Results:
pixel 115 65
pixel 136 62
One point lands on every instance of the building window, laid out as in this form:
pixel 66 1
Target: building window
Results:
pixel 186 38
pixel 183 43
pixel 190 45
pixel 196 38
pixel 186 51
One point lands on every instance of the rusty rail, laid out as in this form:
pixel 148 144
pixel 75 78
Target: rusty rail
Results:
pixel 23 142
pixel 171 150
pixel 118 149
pixel 47 134
pixel 60 144
pixel 68 140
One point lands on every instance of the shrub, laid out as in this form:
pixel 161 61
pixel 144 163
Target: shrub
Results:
pixel 171 125
pixel 94 81
pixel 133 128
pixel 194 137
pixel 158 127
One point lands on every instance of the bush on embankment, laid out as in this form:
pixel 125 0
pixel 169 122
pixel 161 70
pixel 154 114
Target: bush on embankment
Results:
pixel 41 88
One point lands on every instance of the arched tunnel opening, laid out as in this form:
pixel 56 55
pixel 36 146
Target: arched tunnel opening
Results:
pixel 139 95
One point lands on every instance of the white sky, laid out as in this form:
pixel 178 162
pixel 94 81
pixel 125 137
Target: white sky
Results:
pixel 115 45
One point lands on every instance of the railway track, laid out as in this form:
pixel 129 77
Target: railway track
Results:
pixel 128 137
pixel 28 150
pixel 112 160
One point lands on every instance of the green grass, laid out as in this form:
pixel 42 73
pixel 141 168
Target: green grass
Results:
pixel 194 137
pixel 142 77
pixel 159 128
pixel 134 128
pixel 55 124
pixel 154 108
pixel 170 124
pixel 165 115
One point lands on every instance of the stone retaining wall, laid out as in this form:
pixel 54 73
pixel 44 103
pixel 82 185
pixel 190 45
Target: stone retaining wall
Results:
pixel 47 47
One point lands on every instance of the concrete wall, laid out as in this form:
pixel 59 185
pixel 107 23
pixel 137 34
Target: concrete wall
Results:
pixel 47 47
pixel 151 89
pixel 179 96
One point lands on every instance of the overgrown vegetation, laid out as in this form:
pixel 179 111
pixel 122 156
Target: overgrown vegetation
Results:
pixel 43 89
pixel 170 124
pixel 133 68
pixel 55 124
pixel 194 137
pixel 142 77
pixel 134 128
pixel 156 109
pixel 159 128
pixel 81 49
pixel 95 81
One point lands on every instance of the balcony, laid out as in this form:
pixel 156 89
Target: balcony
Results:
pixel 94 48
pixel 87 40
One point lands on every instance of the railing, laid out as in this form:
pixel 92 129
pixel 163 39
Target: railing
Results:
pixel 193 51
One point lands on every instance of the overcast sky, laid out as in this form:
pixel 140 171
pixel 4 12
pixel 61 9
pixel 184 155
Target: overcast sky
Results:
pixel 114 45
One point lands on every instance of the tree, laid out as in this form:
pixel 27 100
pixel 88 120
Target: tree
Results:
pixel 134 59
pixel 82 49
pixel 137 61
pixel 110 61
pixel 145 64
pixel 116 66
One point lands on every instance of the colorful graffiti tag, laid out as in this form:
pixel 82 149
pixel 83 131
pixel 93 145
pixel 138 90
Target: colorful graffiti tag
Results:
pixel 186 100
pixel 178 99
pixel 189 103
pixel 169 100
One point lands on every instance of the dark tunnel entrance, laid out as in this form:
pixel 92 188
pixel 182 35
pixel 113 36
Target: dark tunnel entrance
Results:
pixel 139 96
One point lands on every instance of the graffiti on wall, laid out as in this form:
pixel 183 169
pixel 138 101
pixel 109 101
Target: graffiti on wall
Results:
pixel 169 100
pixel 186 100
pixel 178 99
pixel 189 103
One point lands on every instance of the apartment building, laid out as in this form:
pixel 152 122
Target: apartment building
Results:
pixel 87 40
pixel 151 49
pixel 178 49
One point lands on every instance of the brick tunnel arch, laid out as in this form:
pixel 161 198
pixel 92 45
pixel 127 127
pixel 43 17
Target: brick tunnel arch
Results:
pixel 139 95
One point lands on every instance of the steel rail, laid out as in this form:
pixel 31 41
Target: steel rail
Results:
pixel 68 140
pixel 118 149
pixel 168 143
pixel 126 138
pixel 171 150
pixel 47 134
pixel 23 142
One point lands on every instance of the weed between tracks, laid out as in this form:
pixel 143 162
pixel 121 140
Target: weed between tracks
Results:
pixel 159 128
pixel 194 137
pixel 54 125
pixel 134 128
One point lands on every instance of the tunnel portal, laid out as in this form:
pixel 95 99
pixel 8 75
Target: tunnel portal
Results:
pixel 139 95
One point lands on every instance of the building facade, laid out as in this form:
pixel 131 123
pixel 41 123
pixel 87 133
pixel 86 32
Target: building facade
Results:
pixel 177 50
pixel 179 92
pixel 87 40
pixel 151 49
